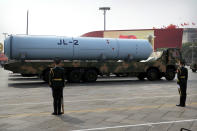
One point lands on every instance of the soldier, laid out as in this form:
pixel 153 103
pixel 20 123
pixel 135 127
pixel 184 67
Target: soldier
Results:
pixel 182 76
pixel 56 82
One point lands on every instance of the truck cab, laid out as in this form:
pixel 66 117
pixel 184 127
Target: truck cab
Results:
pixel 162 63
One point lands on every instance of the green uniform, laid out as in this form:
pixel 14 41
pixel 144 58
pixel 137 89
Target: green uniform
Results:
pixel 56 82
pixel 182 77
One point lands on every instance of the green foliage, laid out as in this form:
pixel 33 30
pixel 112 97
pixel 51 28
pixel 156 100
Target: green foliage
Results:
pixel 187 52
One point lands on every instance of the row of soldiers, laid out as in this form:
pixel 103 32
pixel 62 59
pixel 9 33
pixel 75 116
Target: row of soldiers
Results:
pixel 57 83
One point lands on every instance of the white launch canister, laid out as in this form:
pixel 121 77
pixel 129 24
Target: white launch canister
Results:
pixel 80 48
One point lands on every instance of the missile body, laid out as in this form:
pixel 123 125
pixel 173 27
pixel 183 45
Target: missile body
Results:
pixel 21 47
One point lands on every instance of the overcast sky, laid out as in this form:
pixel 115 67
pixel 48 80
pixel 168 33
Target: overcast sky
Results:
pixel 76 17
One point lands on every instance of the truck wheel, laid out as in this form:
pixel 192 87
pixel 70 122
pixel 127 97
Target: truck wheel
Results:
pixel 170 74
pixel 117 75
pixel 46 76
pixel 141 76
pixel 152 75
pixel 27 75
pixel 74 76
pixel 90 76
pixel 194 70
pixel 160 76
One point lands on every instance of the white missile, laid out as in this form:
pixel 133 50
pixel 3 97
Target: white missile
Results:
pixel 23 47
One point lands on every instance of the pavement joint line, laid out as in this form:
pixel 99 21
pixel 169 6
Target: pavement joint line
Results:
pixel 137 125
pixel 75 101
pixel 95 110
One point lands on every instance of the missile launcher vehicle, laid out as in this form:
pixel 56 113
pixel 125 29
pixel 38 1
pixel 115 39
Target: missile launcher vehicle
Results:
pixel 159 64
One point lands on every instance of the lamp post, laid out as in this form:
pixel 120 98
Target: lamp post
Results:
pixel 104 13
pixel 27 28
pixel 1 45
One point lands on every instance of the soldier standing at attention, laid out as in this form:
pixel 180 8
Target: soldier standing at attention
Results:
pixel 56 82
pixel 182 76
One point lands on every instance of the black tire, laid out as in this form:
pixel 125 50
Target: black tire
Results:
pixel 152 75
pixel 46 76
pixel 194 70
pixel 27 75
pixel 170 74
pixel 74 76
pixel 160 76
pixel 117 75
pixel 90 76
pixel 141 76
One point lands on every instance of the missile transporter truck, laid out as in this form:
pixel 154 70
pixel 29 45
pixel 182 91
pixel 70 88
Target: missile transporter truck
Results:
pixel 84 59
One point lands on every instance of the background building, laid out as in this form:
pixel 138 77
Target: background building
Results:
pixel 159 38
pixel 189 35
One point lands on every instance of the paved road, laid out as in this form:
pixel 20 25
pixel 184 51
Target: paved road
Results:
pixel 115 104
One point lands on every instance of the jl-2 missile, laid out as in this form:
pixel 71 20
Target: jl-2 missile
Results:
pixel 26 47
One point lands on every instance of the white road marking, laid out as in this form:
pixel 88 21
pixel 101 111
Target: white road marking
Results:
pixel 137 125
pixel 92 100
